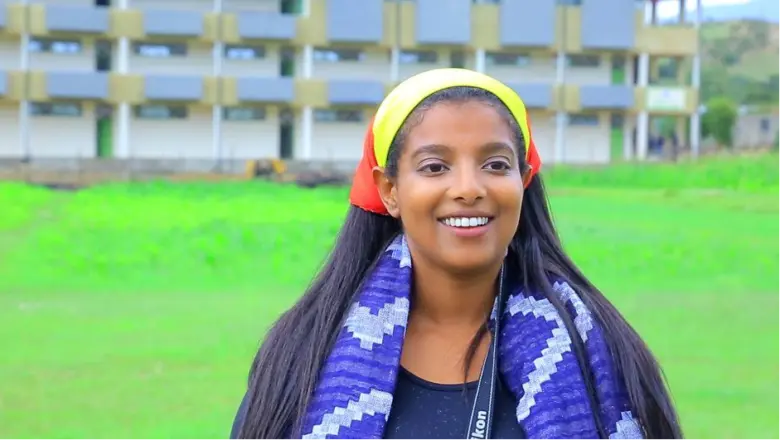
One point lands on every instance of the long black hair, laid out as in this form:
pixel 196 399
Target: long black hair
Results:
pixel 285 370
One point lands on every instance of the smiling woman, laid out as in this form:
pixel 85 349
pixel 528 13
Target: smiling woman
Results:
pixel 448 307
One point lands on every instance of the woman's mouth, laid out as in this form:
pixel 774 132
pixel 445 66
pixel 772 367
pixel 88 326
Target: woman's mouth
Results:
pixel 467 226
pixel 465 222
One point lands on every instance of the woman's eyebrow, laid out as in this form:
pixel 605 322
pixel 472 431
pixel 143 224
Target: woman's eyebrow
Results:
pixel 493 147
pixel 441 149
pixel 432 149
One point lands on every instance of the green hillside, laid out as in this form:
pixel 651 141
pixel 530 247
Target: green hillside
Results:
pixel 740 60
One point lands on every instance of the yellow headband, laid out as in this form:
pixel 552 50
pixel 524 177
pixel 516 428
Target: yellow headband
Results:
pixel 397 106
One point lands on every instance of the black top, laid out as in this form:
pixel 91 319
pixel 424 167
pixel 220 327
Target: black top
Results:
pixel 423 409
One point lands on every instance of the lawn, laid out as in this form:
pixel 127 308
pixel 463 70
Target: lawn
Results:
pixel 133 310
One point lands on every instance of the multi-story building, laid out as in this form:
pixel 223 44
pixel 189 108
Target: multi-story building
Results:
pixel 237 79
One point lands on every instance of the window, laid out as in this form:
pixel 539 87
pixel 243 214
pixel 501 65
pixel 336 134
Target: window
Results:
pixel 286 116
pixel 161 111
pixel 233 52
pixel 583 60
pixel 668 68
pixel 507 59
pixel 457 59
pixel 58 109
pixel 765 124
pixel 243 113
pixel 584 120
pixel 327 115
pixel 417 57
pixel 103 55
pixel 618 62
pixel 291 6
pixel 287 62
pixel 160 50
pixel 336 55
pixel 617 121
pixel 54 46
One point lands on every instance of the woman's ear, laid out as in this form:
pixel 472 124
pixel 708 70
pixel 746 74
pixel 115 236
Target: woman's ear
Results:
pixel 387 191
pixel 527 175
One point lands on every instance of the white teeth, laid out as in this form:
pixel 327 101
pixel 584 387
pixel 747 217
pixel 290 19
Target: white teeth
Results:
pixel 465 222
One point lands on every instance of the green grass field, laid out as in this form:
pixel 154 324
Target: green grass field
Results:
pixel 133 310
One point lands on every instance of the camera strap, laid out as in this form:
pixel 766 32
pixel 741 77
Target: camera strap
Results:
pixel 481 420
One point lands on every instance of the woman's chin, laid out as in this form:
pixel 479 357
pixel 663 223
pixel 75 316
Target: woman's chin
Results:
pixel 471 263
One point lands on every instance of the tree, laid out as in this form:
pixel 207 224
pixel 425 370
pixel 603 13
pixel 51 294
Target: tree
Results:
pixel 719 120
pixel 714 82
pixel 777 141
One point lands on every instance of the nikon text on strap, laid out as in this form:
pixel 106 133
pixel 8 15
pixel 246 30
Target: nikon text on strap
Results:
pixel 481 420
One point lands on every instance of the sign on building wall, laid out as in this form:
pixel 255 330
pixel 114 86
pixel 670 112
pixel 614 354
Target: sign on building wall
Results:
pixel 666 99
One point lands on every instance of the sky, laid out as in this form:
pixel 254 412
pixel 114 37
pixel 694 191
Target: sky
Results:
pixel 668 9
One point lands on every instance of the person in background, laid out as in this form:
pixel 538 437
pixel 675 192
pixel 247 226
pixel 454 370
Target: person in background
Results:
pixel 447 307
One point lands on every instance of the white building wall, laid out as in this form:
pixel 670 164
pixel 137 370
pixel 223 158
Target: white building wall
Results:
pixel 197 61
pixel 543 132
pixel 374 65
pixel 172 138
pixel 596 75
pixel 172 5
pixel 64 137
pixel 9 127
pixel 338 141
pixel 540 69
pixel 192 137
pixel 588 143
pixel 58 136
pixel 252 139
pixel 408 67
pixel 64 2
pixel 471 61
pixel 9 54
pixel 269 65
pixel 250 5
pixel 84 60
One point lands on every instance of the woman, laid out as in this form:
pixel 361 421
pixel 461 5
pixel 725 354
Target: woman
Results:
pixel 448 229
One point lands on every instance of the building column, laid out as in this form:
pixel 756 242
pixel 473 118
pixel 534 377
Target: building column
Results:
pixel 642 133
pixel 395 54
pixel 307 120
pixel 628 138
pixel 653 13
pixel 628 130
pixel 695 130
pixel 561 117
pixel 122 134
pixel 480 59
pixel 395 68
pixel 216 109
pixel 24 104
pixel 643 119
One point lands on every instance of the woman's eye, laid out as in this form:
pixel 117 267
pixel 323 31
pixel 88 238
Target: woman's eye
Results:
pixel 433 168
pixel 498 166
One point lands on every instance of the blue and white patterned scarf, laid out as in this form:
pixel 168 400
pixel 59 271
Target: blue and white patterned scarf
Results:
pixel 354 395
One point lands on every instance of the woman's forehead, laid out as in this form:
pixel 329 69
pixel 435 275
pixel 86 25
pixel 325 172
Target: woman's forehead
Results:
pixel 455 123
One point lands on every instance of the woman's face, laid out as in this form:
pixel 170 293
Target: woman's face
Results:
pixel 459 188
